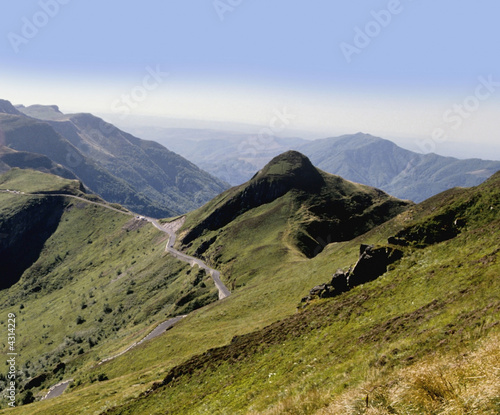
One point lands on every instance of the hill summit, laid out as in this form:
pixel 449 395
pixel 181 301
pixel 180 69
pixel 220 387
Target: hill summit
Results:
pixel 320 207
pixel 291 167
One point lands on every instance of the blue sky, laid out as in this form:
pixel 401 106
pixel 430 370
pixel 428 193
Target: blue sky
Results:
pixel 402 69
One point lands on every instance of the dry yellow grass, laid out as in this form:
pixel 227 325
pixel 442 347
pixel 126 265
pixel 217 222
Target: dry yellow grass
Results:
pixel 463 384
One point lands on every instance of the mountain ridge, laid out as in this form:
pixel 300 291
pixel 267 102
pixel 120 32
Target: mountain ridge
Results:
pixel 142 175
pixel 360 157
pixel 364 158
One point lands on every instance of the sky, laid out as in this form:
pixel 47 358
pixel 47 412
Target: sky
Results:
pixel 420 72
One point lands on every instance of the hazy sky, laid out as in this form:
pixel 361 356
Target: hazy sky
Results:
pixel 420 70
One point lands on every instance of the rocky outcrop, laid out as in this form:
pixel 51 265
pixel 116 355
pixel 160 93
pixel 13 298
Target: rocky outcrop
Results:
pixel 372 263
pixel 439 228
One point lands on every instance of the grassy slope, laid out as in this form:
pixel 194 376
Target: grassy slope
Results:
pixel 364 338
pixel 31 181
pixel 421 339
pixel 101 282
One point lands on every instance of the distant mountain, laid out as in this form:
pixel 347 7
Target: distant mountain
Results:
pixel 29 135
pixel 402 173
pixel 319 207
pixel 142 175
pixel 231 156
pixel 7 108
pixel 361 158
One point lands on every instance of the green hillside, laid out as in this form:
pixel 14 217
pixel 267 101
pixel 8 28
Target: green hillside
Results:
pixel 422 338
pixel 302 208
pixel 92 282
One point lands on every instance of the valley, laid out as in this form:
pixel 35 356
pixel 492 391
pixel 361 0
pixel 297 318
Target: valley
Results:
pixel 308 349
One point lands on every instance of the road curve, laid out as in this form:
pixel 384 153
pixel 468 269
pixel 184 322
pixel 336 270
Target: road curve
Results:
pixel 159 329
pixel 57 390
pixel 223 291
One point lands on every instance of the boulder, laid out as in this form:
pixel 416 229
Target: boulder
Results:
pixel 372 263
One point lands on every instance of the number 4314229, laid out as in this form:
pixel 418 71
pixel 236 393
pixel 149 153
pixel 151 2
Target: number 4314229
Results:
pixel 11 337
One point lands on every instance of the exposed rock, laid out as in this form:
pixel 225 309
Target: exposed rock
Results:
pixel 439 228
pixel 372 263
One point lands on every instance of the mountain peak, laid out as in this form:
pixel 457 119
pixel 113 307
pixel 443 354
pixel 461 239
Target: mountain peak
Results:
pixel 7 108
pixel 292 167
pixel 43 112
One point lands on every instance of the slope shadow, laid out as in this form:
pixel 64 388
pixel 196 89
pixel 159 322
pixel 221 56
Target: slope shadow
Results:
pixel 23 236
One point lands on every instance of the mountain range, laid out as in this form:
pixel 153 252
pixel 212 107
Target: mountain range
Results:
pixel 362 158
pixel 142 175
pixel 339 298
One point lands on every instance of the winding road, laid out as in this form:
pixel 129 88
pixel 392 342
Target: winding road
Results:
pixel 223 291
pixel 169 229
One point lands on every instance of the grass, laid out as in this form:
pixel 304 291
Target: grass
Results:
pixel 383 339
pixel 341 348
pixel 102 282
pixel 31 181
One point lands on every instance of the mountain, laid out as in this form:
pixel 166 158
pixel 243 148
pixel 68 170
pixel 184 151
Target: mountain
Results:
pixel 231 156
pixel 304 209
pixel 160 174
pixel 7 108
pixel 402 173
pixel 142 175
pixel 360 157
pixel 29 135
